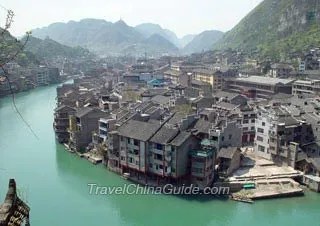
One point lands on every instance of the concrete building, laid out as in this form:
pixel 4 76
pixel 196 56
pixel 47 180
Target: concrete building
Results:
pixel 306 87
pixel 259 86
pixel 214 78
pixel 82 126
pixel 61 122
pixel 278 135
pixel 42 76
pixel 228 160
pixel 202 164
pixel 280 70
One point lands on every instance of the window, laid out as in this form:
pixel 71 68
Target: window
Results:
pixel 131 160
pixel 245 128
pixel 261 148
pixel 263 123
pixel 252 127
pixel 260 138
pixel 260 130
pixel 150 165
pixel 136 142
pixel 253 120
pixel 230 136
pixel 123 158
pixel 158 146
pixel 246 121
pixel 158 157
pixel 121 138
pixel 222 138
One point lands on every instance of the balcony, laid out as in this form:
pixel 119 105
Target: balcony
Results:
pixel 157 151
pixel 168 158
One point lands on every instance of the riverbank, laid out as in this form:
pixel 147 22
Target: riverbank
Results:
pixel 55 183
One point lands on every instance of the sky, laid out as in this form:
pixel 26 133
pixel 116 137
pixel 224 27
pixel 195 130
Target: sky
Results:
pixel 182 17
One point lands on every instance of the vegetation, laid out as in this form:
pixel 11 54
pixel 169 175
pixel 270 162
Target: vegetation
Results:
pixel 276 29
pixel 48 48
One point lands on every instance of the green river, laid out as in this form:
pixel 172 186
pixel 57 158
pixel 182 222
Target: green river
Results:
pixel 55 183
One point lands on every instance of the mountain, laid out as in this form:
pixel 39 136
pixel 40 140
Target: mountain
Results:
pixel 202 42
pixel 99 36
pixel 160 44
pixel 49 48
pixel 149 29
pixel 277 29
pixel 185 40
pixel 11 49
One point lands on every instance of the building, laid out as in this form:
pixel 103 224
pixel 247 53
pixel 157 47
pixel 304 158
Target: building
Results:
pixel 173 76
pixel 82 126
pixel 214 78
pixel 248 124
pixel 228 160
pixel 278 135
pixel 306 87
pixel 259 86
pixel 61 122
pixel 202 163
pixel 279 70
pixel 42 76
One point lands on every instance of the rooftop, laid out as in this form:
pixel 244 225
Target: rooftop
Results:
pixel 264 80
pixel 227 153
pixel 138 130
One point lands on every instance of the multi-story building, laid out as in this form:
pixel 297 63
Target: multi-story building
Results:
pixel 61 122
pixel 173 76
pixel 259 86
pixel 214 78
pixel 280 70
pixel 248 124
pixel 306 87
pixel 82 126
pixel 42 76
pixel 278 133
pixel 202 163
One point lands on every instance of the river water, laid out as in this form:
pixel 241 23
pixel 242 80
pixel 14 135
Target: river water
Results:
pixel 55 183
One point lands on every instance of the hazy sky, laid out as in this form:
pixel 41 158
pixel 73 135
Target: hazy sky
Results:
pixel 182 16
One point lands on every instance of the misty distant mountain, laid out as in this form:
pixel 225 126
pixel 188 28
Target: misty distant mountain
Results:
pixel 160 43
pixel 149 29
pixel 106 38
pixel 202 42
pixel 185 40
pixel 100 36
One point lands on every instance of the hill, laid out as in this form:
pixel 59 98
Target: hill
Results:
pixel 202 42
pixel 11 49
pixel 277 29
pixel 100 36
pixel 149 29
pixel 49 48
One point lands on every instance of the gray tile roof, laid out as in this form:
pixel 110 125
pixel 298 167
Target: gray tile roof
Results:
pixel 160 99
pixel 83 111
pixel 138 130
pixel 164 135
pixel 227 153
pixel 203 126
pixel 226 105
pixel 180 139
pixel 224 94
